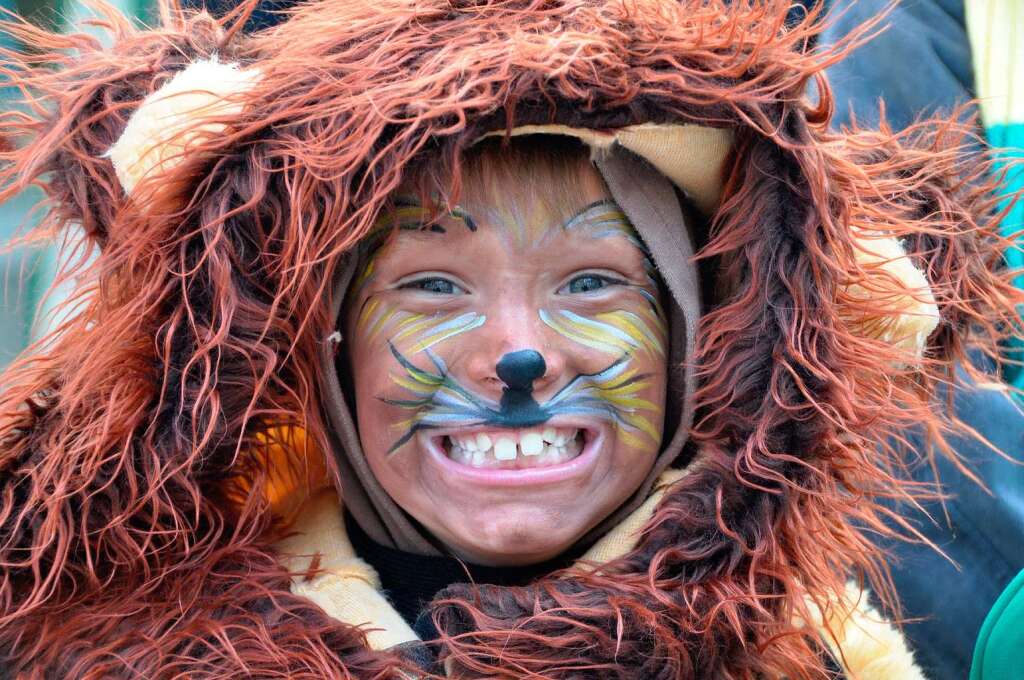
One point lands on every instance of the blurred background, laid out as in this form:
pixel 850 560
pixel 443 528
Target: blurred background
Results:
pixel 27 270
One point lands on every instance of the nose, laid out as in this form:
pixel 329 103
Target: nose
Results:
pixel 512 351
pixel 519 369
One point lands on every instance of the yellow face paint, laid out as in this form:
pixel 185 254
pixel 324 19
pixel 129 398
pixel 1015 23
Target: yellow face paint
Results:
pixel 618 394
pixel 618 332
pixel 439 399
pixel 411 331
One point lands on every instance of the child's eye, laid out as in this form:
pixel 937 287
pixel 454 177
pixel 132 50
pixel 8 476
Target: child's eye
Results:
pixel 434 285
pixel 587 283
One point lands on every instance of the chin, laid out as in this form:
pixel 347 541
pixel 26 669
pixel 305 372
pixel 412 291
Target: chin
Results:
pixel 513 536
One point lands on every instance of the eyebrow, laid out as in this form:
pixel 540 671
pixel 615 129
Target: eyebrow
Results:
pixel 408 212
pixel 602 212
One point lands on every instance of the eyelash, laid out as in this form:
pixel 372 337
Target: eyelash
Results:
pixel 421 285
pixel 606 280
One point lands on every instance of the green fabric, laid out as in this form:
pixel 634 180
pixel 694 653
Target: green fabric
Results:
pixel 999 651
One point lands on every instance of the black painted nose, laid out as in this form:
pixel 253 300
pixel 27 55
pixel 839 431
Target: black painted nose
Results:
pixel 519 369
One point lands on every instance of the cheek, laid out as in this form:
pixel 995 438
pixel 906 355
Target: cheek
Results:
pixel 379 422
pixel 370 377
pixel 641 413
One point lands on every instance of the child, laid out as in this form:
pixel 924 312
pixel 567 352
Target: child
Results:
pixel 428 267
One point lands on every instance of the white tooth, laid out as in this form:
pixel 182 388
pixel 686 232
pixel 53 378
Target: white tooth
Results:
pixel 531 443
pixel 456 452
pixel 504 448
pixel 478 458
pixel 483 442
pixel 560 438
pixel 468 443
pixel 549 434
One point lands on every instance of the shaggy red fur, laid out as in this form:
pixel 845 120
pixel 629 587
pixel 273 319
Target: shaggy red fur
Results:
pixel 200 323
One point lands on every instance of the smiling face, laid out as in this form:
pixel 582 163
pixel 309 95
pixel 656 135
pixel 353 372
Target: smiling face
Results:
pixel 508 357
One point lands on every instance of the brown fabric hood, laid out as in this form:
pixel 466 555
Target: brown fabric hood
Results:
pixel 653 206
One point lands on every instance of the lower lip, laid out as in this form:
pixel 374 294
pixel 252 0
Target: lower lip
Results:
pixel 551 474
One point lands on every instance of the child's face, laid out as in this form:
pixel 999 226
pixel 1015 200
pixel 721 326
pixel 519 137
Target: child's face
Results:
pixel 509 366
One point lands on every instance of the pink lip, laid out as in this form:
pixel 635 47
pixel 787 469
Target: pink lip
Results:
pixel 553 474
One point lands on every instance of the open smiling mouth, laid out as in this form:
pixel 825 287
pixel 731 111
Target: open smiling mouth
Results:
pixel 515 449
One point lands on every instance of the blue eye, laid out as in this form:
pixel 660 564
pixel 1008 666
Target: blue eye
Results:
pixel 434 285
pixel 588 283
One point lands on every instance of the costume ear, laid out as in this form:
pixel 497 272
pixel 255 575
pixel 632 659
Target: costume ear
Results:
pixel 79 97
pixel 893 302
pixel 924 228
pixel 188 109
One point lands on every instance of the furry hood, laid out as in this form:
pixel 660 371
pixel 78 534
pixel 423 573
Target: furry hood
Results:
pixel 138 440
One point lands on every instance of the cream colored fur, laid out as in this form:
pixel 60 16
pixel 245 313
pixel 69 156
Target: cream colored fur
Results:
pixel 868 646
pixel 902 319
pixel 176 116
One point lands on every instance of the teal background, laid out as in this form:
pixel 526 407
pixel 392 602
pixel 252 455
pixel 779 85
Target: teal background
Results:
pixel 1011 138
pixel 26 271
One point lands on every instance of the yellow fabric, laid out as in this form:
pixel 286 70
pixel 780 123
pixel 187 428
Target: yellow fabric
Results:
pixel 624 537
pixel 996 31
pixel 348 589
pixel 328 572
pixel 692 156
pixel 686 154
pixel 867 645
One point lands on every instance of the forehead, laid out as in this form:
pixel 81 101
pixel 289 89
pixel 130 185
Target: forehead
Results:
pixel 518 229
pixel 528 206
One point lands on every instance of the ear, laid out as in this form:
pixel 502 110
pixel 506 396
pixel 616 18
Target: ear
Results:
pixel 894 302
pixel 79 97
pixel 187 109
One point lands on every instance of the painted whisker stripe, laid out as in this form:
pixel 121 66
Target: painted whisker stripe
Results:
pixel 568 332
pixel 421 330
pixel 369 308
pixel 618 332
pixel 598 212
pixel 637 328
pixel 449 329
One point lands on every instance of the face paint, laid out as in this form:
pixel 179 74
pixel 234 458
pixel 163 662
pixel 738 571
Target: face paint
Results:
pixel 508 360
pixel 407 215
pixel 416 332
pixel 617 333
pixel 441 400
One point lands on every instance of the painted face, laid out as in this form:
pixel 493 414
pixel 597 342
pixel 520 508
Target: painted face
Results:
pixel 509 365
